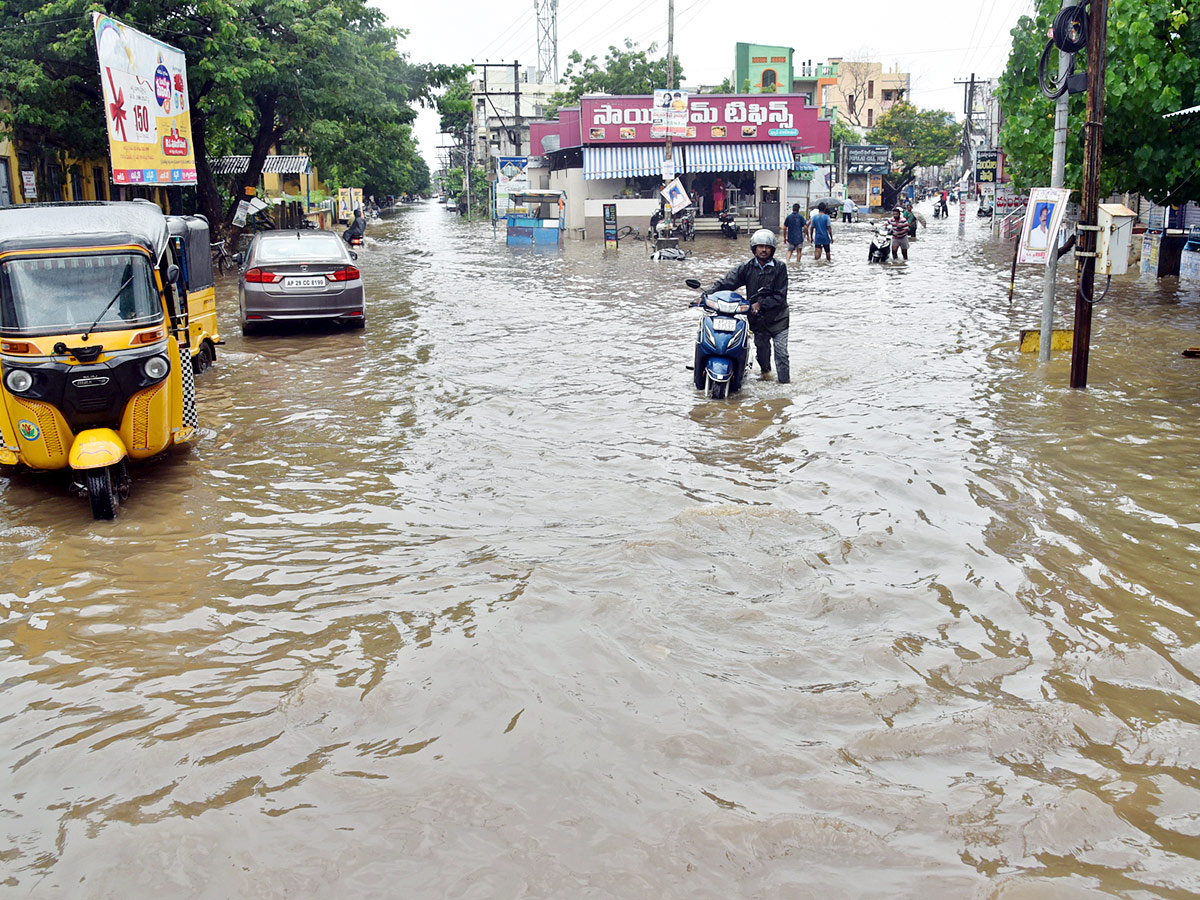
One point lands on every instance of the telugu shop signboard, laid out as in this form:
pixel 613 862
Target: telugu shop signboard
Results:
pixel 710 118
pixel 986 163
pixel 871 156
pixel 146 106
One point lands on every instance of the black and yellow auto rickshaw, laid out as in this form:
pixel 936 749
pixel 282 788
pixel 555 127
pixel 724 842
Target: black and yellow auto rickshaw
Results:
pixel 191 247
pixel 94 362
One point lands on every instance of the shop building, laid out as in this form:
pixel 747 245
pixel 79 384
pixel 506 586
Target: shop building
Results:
pixel 738 154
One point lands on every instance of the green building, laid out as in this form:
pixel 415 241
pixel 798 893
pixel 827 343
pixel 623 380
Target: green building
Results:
pixel 760 69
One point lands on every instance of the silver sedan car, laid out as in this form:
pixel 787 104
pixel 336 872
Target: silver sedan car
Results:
pixel 300 275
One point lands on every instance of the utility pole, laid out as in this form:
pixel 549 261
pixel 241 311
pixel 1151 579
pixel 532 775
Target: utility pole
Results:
pixel 1057 170
pixel 667 150
pixel 969 109
pixel 1093 151
pixel 517 107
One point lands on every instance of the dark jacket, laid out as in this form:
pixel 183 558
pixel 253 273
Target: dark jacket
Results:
pixel 772 281
pixel 357 228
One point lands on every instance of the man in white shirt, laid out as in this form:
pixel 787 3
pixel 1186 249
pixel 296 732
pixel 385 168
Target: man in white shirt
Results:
pixel 849 208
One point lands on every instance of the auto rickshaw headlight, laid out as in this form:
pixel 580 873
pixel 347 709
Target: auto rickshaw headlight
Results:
pixel 156 368
pixel 18 380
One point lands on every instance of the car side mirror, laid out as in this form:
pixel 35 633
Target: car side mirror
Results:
pixel 172 274
pixel 239 257
pixel 353 255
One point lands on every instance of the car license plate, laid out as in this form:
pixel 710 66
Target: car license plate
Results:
pixel 724 324
pixel 309 282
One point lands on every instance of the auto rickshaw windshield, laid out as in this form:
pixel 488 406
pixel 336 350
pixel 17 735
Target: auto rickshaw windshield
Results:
pixel 51 295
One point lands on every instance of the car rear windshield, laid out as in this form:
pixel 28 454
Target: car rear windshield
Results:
pixel 61 294
pixel 299 249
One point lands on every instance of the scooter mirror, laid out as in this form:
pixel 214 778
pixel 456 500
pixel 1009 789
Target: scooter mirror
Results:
pixel 693 283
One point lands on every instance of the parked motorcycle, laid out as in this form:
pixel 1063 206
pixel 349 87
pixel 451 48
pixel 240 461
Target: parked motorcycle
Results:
pixel 729 227
pixel 985 211
pixel 687 224
pixel 722 342
pixel 881 243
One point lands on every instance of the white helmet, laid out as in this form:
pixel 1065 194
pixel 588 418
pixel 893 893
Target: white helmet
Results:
pixel 763 237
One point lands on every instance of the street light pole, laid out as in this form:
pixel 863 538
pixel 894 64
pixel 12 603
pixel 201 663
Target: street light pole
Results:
pixel 1057 176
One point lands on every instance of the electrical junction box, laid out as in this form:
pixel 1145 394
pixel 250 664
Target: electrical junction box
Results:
pixel 1116 230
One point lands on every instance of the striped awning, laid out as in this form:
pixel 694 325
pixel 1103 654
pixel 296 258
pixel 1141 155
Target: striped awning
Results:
pixel 623 162
pixel 272 165
pixel 738 157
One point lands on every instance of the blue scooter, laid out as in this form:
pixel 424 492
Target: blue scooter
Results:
pixel 722 343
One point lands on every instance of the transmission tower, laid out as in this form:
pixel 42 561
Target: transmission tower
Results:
pixel 547 32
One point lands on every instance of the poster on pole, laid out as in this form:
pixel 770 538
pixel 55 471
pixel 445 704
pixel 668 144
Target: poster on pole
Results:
pixel 669 115
pixel 610 226
pixel 146 106
pixel 512 176
pixel 677 198
pixel 1039 237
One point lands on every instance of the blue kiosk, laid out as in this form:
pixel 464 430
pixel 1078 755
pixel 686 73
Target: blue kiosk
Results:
pixel 535 218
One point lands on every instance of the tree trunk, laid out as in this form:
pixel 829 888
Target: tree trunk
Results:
pixel 264 139
pixel 207 195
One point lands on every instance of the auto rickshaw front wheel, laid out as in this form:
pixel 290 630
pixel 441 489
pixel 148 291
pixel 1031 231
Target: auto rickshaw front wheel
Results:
pixel 106 488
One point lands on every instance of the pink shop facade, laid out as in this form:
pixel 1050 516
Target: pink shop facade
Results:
pixel 737 152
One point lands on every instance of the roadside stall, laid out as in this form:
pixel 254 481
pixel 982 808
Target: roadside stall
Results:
pixel 535 218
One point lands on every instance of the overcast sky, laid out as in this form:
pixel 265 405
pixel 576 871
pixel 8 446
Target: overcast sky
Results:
pixel 936 41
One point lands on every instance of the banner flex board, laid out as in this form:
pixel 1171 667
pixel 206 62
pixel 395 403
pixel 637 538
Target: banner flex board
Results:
pixel 512 176
pixel 986 162
pixel 669 115
pixel 146 106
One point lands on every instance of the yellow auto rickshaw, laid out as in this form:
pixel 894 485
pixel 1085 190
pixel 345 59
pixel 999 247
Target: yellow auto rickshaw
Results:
pixel 190 244
pixel 95 368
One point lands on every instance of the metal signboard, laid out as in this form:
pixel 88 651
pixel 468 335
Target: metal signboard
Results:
pixel 986 163
pixel 869 155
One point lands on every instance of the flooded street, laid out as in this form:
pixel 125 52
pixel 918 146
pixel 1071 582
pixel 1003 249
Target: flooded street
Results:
pixel 486 601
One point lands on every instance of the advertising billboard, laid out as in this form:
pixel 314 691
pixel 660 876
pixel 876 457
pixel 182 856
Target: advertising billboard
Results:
pixel 512 176
pixel 145 105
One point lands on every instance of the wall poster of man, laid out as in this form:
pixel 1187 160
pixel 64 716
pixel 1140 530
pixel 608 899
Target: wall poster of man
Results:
pixel 1039 234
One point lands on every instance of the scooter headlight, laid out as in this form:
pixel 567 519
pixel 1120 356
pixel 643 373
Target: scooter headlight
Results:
pixel 18 380
pixel 156 368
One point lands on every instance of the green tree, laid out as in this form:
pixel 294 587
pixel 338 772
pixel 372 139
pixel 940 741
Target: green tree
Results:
pixel 324 75
pixel 454 106
pixel 625 71
pixel 1152 68
pixel 917 138
pixel 841 133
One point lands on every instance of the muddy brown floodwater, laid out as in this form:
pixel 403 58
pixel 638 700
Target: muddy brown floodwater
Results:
pixel 487 602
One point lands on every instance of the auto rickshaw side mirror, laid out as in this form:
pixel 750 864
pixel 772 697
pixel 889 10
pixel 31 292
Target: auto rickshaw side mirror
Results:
pixel 172 274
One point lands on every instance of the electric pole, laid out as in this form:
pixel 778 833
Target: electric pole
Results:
pixel 1093 151
pixel 667 151
pixel 969 109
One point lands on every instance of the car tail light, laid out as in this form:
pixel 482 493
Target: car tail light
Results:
pixel 347 273
pixel 262 276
